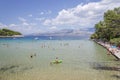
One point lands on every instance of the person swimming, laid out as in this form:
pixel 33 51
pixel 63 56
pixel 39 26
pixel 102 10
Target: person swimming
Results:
pixel 56 61
pixel 32 55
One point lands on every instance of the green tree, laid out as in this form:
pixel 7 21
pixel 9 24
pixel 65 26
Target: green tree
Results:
pixel 7 32
pixel 109 28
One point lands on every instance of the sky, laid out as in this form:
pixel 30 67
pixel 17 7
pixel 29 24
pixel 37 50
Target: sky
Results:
pixel 53 16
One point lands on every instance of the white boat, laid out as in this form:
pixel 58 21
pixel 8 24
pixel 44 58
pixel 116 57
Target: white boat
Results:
pixel 36 38
pixel 50 37
pixel 14 38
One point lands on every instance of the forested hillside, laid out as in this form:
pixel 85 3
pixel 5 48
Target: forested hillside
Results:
pixel 7 32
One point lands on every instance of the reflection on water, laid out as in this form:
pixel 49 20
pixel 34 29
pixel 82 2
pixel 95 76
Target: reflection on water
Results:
pixel 82 60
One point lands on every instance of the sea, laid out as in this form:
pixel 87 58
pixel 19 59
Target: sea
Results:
pixel 31 57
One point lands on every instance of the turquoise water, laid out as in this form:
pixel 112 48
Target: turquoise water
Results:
pixel 82 60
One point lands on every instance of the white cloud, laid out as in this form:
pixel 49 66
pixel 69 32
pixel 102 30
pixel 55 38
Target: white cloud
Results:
pixel 41 13
pixel 25 24
pixel 33 24
pixel 47 22
pixel 49 12
pixel 3 25
pixel 53 28
pixel 83 15
pixel 46 12
pixel 23 27
pixel 40 19
pixel 80 17
pixel 13 25
pixel 30 15
pixel 22 19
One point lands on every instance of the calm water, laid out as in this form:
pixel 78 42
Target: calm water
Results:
pixel 82 59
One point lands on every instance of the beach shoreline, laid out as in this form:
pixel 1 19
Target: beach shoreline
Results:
pixel 14 36
pixel 113 50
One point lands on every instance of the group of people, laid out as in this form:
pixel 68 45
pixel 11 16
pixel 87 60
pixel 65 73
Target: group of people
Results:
pixel 110 47
pixel 56 61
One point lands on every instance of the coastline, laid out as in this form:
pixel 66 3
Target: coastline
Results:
pixel 12 36
pixel 113 50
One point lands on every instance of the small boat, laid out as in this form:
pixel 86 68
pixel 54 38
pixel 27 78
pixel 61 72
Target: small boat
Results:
pixel 14 38
pixel 50 37
pixel 36 38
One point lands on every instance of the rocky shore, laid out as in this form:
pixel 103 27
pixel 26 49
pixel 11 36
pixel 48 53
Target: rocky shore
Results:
pixel 115 51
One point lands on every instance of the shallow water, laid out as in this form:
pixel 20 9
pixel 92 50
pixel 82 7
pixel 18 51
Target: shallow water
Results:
pixel 82 60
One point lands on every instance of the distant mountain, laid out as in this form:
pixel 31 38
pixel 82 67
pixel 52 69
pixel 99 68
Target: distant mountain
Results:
pixel 67 32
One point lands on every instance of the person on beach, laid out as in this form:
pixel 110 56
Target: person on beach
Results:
pixel 109 49
pixel 119 47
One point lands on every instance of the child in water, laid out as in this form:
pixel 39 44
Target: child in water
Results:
pixel 56 60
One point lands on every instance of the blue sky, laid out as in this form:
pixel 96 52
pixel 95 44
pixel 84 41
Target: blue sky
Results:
pixel 43 16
